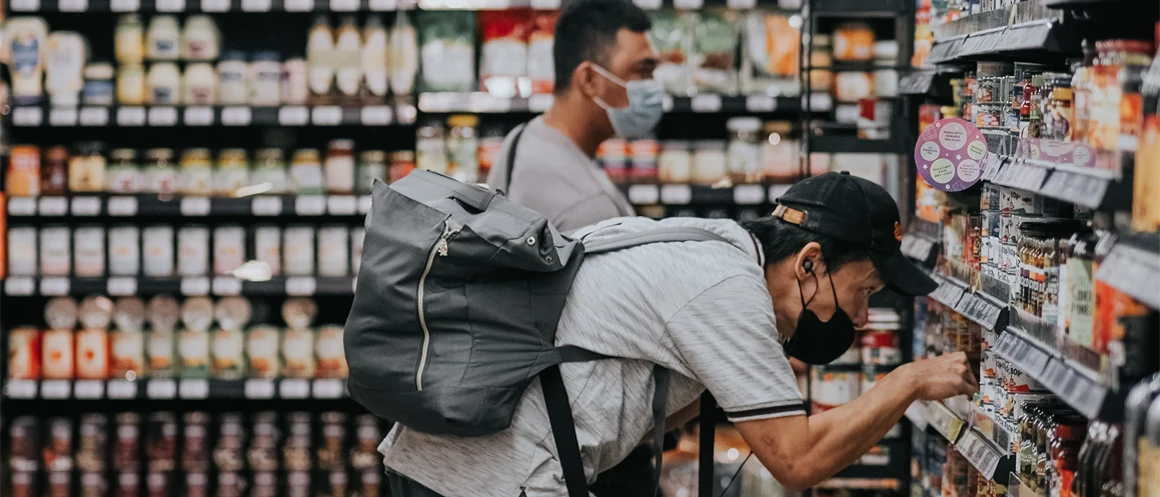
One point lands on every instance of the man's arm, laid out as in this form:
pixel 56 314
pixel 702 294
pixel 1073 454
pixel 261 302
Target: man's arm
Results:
pixel 802 451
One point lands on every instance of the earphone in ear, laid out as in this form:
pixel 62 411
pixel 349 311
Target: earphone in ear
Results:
pixel 808 265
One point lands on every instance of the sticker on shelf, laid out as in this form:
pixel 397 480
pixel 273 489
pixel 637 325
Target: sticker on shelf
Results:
pixel 643 194
pixel 122 206
pixel 25 5
pixel 55 389
pixel 19 286
pixel 131 116
pixel 295 115
pixel 741 4
pixel 266 206
pixel 376 115
pixel 706 103
pixel 341 205
pixel 162 116
pixel 325 388
pixel 27 116
pixel 170 5
pixel 86 206
pixel 74 5
pixel 227 286
pixel 540 102
pixel 21 206
pixel 20 389
pixel 688 4
pixel 258 389
pixel 121 389
pixel 951 154
pixel 298 5
pixel 748 194
pixel 327 115
pixel 125 5
pixel 760 103
pixel 197 116
pixel 54 287
pixel 820 102
pixel 195 287
pixel 215 5
pixel 293 388
pixel 121 286
pixel 195 206
pixel 94 116
pixel 676 194
pixel 310 205
pixel 256 5
pixel 161 389
pixel 89 389
pixel 193 389
pixel 62 116
pixel 301 286
pixel 344 5
pixel 236 116
pixel 977 451
pixel 648 4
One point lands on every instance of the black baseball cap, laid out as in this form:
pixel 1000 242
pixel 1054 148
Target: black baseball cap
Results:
pixel 857 211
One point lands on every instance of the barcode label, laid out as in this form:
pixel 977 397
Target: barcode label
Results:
pixel 86 206
pixel 22 206
pixel 26 116
pixel 89 389
pixel 74 5
pixel 163 116
pixel 748 194
pixel 341 205
pixel 170 5
pixel 54 287
pixel 980 454
pixel 256 5
pixel 19 286
pixel 706 103
pixel 195 206
pixel 198 116
pixel 195 287
pixel 344 5
pixel 122 206
pixel 300 286
pixel 688 4
pixel 25 5
pixel 227 286
pixel 125 5
pixel 293 116
pixel 327 389
pixel 121 389
pixel 376 115
pixel 236 116
pixel 643 194
pixel 20 389
pixel 215 5
pixel 310 205
pixel 385 5
pixel 760 103
pixel 330 115
pixel 299 5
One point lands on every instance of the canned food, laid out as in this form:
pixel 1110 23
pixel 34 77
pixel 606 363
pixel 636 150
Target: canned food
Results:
pixel 833 387
pixel 228 354
pixel 268 247
pixel 193 251
pixel 194 350
pixel 227 454
pixel 55 253
pixel 24 444
pixel 195 450
pixel 90 450
pixel 298 244
pixel 22 250
pixel 124 251
pixel 263 452
pixel 162 361
pixel 58 452
pixel 24 353
pixel 330 453
pixel 229 249
pixel 90 251
pixel 333 251
pixel 157 243
pixel 296 452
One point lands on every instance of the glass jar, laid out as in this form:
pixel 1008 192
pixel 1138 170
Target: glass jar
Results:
pixel 270 168
pixel 372 165
pixel 779 153
pixel 463 148
pixel 306 176
pixel 86 170
pixel 196 172
pixel 164 84
pixel 1130 78
pixel 490 143
pixel 124 174
pixel 54 172
pixel 744 151
pixel 709 164
pixel 131 85
pixel 233 172
pixel 232 71
pixel 821 79
pixel 339 167
pixel 430 148
pixel 644 153
pixel 613 156
pixel 266 79
pixel 402 163
pixel 160 172
pixel 294 81
pixel 676 162
pixel 199 85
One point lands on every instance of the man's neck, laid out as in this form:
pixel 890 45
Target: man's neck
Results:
pixel 565 120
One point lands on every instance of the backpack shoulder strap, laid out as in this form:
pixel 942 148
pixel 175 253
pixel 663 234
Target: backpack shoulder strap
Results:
pixel 511 155
pixel 659 235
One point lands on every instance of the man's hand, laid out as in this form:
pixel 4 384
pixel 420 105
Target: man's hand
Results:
pixel 941 377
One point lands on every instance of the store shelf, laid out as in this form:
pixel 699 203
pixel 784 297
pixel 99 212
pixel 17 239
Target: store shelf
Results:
pixel 981 308
pixel 647 194
pixel 988 457
pixel 1076 385
pixel 852 145
pixel 920 248
pixel 916 82
pixel 1023 29
pixel 206 6
pixel 859 8
pixel 485 103
pixel 1133 267
pixel 555 4
pixel 294 286
pixel 151 205
pixel 1082 185
pixel 163 389
pixel 31 116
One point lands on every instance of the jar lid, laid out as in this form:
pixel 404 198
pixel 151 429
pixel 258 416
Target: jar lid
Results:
pixel 163 313
pixel 373 156
pixel 306 154
pixel 269 154
pixel 341 144
pixel 232 154
pixel 126 154
pixel 99 70
pixel 232 55
pixel 463 120
pixel 232 313
pixel 403 156
pixel 159 154
pixel 61 313
pixel 96 312
pixel 197 313
pixel 743 124
pixel 267 56
pixel 299 312
pixel 129 314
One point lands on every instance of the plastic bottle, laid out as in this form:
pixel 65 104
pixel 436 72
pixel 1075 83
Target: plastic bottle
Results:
pixel 26 37
pixel 129 41
pixel 348 55
pixel 374 58
pixel 163 40
pixel 404 57
pixel 320 58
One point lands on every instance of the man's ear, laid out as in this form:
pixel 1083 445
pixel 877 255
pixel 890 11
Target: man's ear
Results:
pixel 584 79
pixel 808 261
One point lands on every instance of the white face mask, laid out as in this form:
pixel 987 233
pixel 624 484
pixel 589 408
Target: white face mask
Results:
pixel 646 101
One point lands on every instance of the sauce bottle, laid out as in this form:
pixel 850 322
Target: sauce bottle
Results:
pixel 26 37
pixel 54 172
pixel 129 40
pixel 404 56
pixel 374 59
pixel 348 47
pixel 1080 83
pixel 339 167
pixel 320 57
pixel 23 179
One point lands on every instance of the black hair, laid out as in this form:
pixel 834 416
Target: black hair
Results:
pixel 586 31
pixel 781 240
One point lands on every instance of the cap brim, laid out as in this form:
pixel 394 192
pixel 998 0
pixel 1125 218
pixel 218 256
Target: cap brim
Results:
pixel 902 275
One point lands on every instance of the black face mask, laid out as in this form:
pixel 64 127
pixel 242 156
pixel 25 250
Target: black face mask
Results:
pixel 820 342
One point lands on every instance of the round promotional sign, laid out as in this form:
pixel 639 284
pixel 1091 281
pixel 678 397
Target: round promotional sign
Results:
pixel 950 154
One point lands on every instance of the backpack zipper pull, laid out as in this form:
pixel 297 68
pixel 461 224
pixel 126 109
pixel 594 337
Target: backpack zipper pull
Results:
pixel 449 228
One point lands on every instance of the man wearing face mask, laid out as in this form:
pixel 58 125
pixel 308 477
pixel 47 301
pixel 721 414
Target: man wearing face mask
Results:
pixel 720 316
pixel 604 88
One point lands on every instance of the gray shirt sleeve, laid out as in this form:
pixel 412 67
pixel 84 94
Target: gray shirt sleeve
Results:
pixel 727 338
pixel 586 212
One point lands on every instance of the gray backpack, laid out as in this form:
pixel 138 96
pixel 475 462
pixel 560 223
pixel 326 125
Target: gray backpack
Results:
pixel 456 306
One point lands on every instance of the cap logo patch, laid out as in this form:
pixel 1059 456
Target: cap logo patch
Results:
pixel 790 215
pixel 897 231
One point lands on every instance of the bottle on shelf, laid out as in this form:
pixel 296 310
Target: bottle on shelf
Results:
pixel 404 55
pixel 374 59
pixel 321 57
pixel 348 61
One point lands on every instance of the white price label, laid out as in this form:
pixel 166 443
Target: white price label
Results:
pixel 215 5
pixel 161 389
pixel 170 5
pixel 195 287
pixel 364 204
pixel 294 389
pixel 676 194
pixel 19 286
pixel 748 194
pixel 94 116
pixel 54 287
pixel 344 5
pixel 259 389
pixel 298 5
pixel 227 286
pixel 741 4
pixel 293 116
pixel 327 389
pixel 62 116
pixel 310 205
pixel 643 194
pixel 256 5
pixel 376 115
pixel 266 206
pixel 195 206
pixel 122 206
pixel 760 103
pixel 341 205
pixel 301 286
pixel 820 102
pixel 131 116
pixel 688 4
pixel 545 4
pixel 648 4
pixel 125 5
pixel 979 453
pixel 121 389
pixel 706 103
pixel 89 389
pixel 540 103
pixel 122 286
pixel 329 115
pixel 198 116
pixel 193 389
pixel 22 206
pixel 25 5
pixel 55 389
pixel 26 116
pixel 384 5
pixel 20 389
pixel 163 116
pixel 236 116
pixel 86 206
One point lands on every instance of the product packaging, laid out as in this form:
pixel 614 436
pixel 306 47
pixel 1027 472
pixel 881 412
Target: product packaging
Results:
pixel 714 44
pixel 504 52
pixel 447 48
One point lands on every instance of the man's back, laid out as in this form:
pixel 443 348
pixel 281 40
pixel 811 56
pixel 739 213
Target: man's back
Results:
pixel 553 177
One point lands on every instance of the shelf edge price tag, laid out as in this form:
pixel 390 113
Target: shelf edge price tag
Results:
pixel 19 286
pixel 748 194
pixel 301 286
pixel 648 4
pixel 215 5
pixel 341 205
pixel 236 116
pixel 310 205
pixel 25 5
pixel 259 389
pixel 125 5
pixel 93 116
pixel 688 4
pixel 741 4
pixel 195 206
pixel 327 388
pixel 54 287
pixel 193 389
pixel 376 115
pixel 227 286
pixel 545 4
pixel 760 103
pixel 383 5
pixel 195 287
pixel 122 206
pixel 298 5
pixel 22 206
pixel 198 116
pixel 327 115
pixel 162 116
pixel 294 388
pixel 676 194
pixel 131 116
pixel 85 206
pixel 122 286
pixel 295 115
pixel 121 389
pixel 706 103
pixel 20 389
pixel 55 389
pixel 266 206
pixel 540 102
pixel 170 5
pixel 256 5
pixel 27 116
pixel 643 194
pixel 62 116
pixel 161 389
pixel 89 389
pixel 344 5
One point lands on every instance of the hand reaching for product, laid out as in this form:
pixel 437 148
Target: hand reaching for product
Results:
pixel 941 377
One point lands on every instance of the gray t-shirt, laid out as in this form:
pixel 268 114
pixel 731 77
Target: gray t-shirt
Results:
pixel 555 178
pixel 700 309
